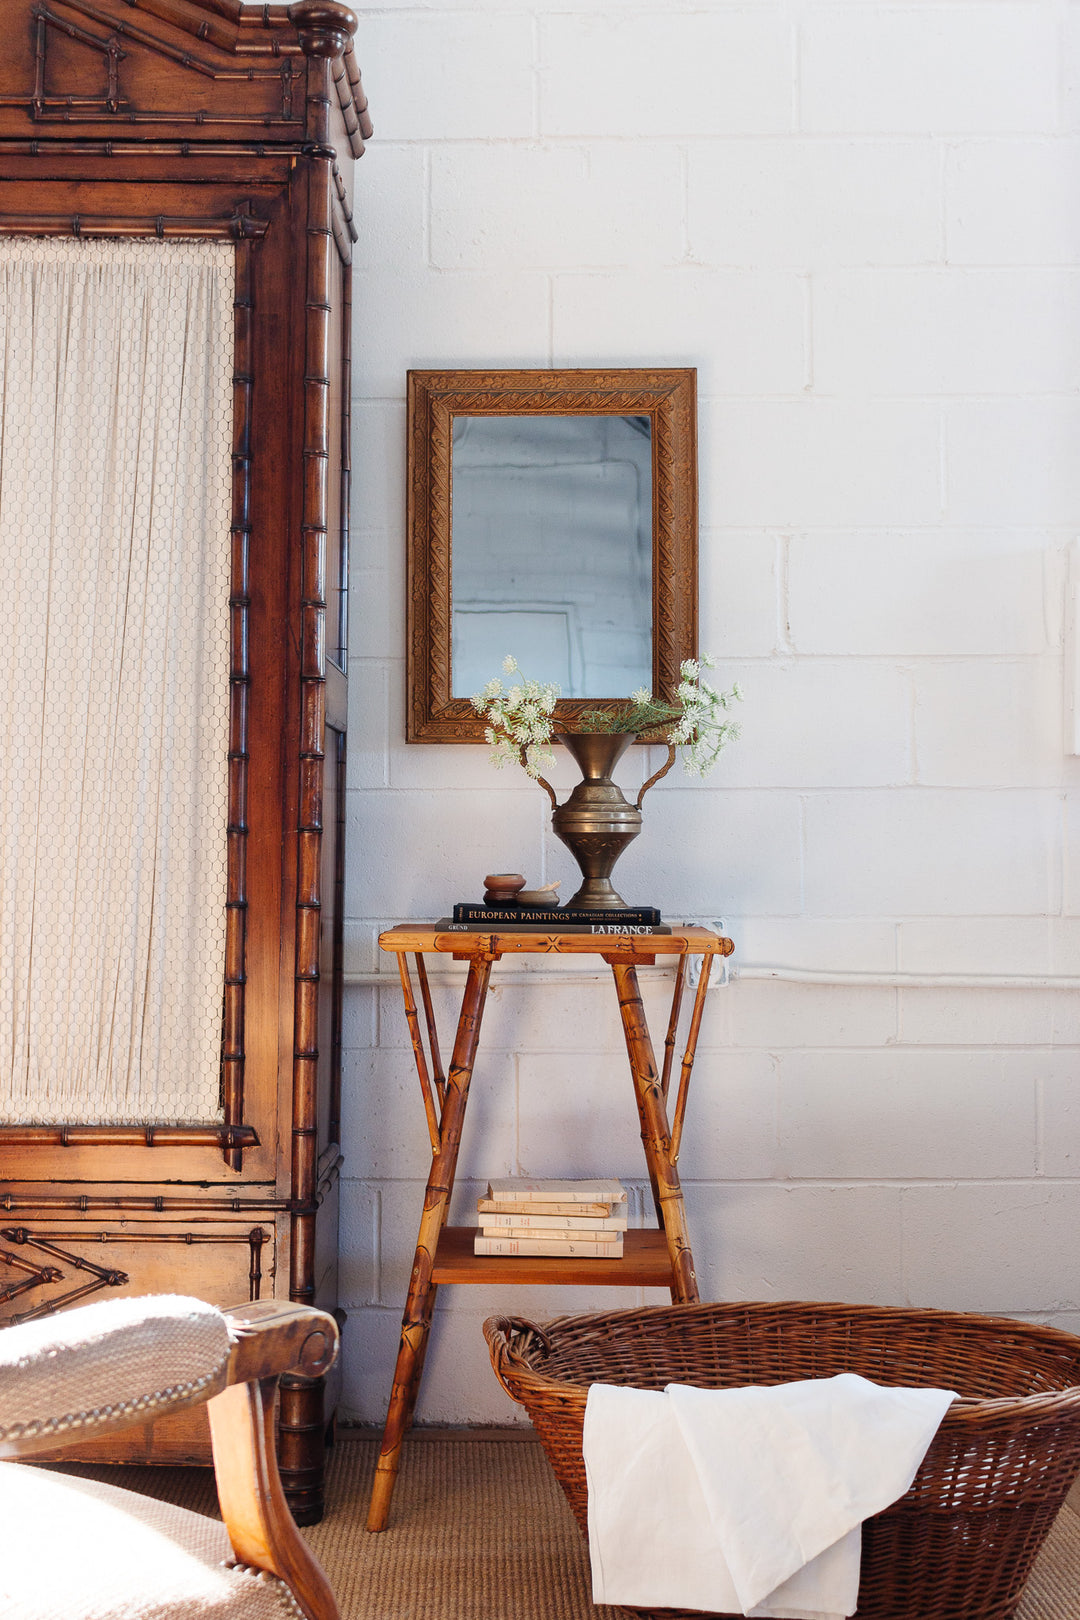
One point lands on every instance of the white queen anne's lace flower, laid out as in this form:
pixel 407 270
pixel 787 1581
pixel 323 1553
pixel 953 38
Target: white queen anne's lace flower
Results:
pixel 520 720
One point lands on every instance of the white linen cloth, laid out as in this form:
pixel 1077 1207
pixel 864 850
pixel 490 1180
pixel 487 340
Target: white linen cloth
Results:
pixel 746 1501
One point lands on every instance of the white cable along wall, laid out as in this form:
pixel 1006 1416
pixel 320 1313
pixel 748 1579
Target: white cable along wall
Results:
pixel 115 413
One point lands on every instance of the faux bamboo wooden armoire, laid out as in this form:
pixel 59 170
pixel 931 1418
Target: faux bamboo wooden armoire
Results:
pixel 175 245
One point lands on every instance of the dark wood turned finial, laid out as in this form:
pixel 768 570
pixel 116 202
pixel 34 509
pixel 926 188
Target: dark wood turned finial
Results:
pixel 325 26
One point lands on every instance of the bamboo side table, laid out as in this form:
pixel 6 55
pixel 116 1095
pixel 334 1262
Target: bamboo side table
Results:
pixel 660 1258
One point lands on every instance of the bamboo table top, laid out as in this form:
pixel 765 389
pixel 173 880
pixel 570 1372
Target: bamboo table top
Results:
pixel 506 941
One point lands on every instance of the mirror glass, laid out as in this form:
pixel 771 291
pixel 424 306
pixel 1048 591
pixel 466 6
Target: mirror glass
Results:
pixel 551 551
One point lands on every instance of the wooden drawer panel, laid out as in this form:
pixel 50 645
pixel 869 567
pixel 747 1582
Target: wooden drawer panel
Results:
pixel 47 1266
pixel 43 1264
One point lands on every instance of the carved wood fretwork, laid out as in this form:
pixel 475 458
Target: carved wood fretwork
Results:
pixel 102 1276
pixel 34 1276
pixel 236 902
pixel 69 108
pixel 239 226
pixel 321 260
pixel 225 1137
pixel 88 63
pixel 209 1202
pixel 99 1276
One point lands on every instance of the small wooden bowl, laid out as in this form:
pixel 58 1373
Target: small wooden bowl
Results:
pixel 501 888
pixel 538 899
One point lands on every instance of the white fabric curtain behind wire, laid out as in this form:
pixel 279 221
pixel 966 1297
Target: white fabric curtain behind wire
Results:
pixel 115 440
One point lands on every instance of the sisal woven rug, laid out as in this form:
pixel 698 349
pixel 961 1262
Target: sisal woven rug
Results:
pixel 480 1531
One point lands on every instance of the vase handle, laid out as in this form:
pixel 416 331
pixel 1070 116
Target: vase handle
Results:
pixel 549 790
pixel 655 777
pixel 544 783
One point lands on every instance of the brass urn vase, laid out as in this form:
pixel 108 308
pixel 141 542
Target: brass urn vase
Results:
pixel 596 823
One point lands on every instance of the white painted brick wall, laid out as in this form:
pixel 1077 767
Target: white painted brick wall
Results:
pixel 944 592
pixel 929 850
pixel 830 463
pixel 918 69
pixel 982 724
pixel 758 321
pixel 579 211
pixel 1040 179
pixel 806 204
pixel 936 332
pixel 675 70
pixel 858 219
pixel 1009 462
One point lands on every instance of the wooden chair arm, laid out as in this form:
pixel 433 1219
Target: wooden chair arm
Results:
pixel 270 1338
pixel 273 1336
pixel 265 1339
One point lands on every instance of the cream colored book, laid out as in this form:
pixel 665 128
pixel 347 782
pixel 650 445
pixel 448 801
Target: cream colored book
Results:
pixel 492 1206
pixel 527 1215
pixel 517 1190
pixel 544 1234
pixel 587 1249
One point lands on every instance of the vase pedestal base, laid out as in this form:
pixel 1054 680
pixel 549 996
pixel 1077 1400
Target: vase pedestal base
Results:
pixel 596 823
pixel 596 894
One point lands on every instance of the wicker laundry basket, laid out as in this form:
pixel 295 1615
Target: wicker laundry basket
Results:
pixel 960 1544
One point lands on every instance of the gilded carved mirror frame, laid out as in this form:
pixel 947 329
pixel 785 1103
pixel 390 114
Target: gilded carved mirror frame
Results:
pixel 667 397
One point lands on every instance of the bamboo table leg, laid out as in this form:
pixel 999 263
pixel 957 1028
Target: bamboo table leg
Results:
pixel 416 1321
pixel 656 1133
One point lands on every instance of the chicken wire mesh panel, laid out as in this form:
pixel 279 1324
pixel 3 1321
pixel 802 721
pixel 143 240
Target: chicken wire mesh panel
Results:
pixel 115 510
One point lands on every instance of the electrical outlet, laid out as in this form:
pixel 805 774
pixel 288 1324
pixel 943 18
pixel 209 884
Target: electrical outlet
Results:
pixel 719 973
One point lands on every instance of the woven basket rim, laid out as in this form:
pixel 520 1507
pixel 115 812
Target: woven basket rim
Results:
pixel 838 1307
pixel 965 1411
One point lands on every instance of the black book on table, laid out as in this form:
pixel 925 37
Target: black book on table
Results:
pixel 448 925
pixel 554 916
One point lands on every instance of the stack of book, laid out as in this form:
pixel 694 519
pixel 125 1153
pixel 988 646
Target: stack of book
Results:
pixel 582 1218
pixel 468 918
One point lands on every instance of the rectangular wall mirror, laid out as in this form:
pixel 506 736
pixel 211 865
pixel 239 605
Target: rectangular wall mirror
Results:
pixel 551 514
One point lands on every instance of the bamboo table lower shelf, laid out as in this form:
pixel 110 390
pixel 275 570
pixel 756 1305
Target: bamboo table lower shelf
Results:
pixel 645 1263
pixel 444 1254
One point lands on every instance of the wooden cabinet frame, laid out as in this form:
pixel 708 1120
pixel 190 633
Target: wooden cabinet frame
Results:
pixel 208 119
